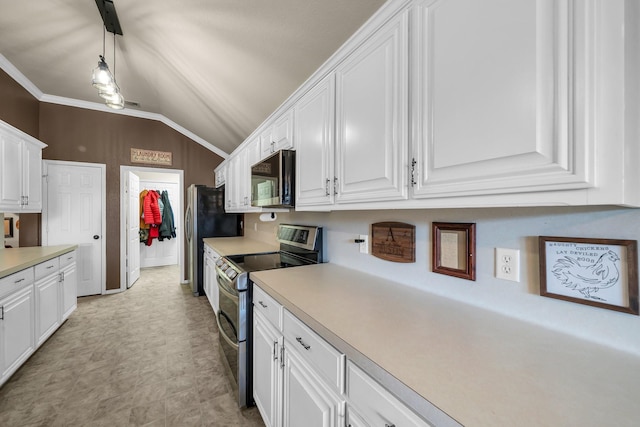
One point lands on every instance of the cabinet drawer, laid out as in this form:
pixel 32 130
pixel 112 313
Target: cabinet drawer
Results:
pixel 266 305
pixel 45 268
pixel 16 281
pixel 375 403
pixel 68 258
pixel 321 355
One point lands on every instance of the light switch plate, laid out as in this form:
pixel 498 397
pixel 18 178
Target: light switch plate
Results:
pixel 364 246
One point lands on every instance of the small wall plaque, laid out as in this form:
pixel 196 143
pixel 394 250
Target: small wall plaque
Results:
pixel 150 157
pixel 453 251
pixel 393 241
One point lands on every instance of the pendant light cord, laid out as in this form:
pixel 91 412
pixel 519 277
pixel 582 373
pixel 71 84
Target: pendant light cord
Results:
pixel 114 57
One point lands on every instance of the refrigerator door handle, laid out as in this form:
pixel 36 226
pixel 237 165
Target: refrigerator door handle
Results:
pixel 187 226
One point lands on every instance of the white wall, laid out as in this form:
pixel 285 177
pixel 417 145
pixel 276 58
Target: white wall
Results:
pixel 516 228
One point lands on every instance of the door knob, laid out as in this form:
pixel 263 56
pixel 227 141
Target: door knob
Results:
pixel 96 237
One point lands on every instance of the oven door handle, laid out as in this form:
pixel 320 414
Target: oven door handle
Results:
pixel 228 294
pixel 226 338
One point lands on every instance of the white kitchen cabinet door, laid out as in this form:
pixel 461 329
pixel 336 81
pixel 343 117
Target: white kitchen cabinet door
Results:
pixel 307 401
pixel 69 289
pixel 47 307
pixel 278 136
pixel 499 99
pixel 371 117
pixel 31 177
pixel 10 173
pixel 17 341
pixel 267 374
pixel 314 131
pixel 221 175
pixel 232 186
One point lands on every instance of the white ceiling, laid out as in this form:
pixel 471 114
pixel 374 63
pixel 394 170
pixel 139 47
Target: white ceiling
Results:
pixel 215 67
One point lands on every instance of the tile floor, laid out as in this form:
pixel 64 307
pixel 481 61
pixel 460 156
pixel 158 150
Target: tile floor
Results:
pixel 144 357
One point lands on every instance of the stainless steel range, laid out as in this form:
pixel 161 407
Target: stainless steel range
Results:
pixel 299 245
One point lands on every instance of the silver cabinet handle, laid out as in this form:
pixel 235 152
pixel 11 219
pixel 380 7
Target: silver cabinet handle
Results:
pixel 389 425
pixel 2 313
pixel 19 280
pixel 306 346
pixel 326 187
pixel 413 172
pixel 275 350
pixel 262 304
pixel 51 266
pixel 335 185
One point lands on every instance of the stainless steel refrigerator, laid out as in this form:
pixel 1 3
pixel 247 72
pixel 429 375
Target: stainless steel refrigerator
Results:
pixel 205 217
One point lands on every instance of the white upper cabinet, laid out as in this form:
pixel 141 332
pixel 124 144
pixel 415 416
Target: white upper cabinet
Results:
pixel 314 131
pixel 496 99
pixel 371 117
pixel 20 171
pixel 278 136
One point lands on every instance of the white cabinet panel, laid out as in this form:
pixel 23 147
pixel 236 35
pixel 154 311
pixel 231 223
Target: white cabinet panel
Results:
pixel 47 307
pixel 278 136
pixel 267 382
pixel 69 288
pixel 495 99
pixel 10 173
pixel 307 400
pixel 371 117
pixel 314 131
pixel 17 341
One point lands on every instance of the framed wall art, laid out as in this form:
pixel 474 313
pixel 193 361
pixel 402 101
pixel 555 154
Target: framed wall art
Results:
pixel 453 249
pixel 597 272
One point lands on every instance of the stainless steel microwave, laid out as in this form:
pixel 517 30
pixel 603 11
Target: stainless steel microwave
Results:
pixel 273 181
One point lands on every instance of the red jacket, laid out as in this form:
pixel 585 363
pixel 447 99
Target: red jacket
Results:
pixel 151 209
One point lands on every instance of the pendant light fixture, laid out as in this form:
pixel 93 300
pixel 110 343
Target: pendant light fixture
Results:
pixel 102 79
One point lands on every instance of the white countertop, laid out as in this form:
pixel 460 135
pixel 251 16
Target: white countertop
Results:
pixel 239 245
pixel 479 367
pixel 13 260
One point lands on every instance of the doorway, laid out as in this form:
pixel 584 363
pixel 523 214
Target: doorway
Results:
pixel 133 253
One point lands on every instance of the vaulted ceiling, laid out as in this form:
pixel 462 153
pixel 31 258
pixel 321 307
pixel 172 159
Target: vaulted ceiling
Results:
pixel 217 68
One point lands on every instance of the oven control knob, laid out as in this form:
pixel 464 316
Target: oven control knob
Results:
pixel 231 273
pixel 224 266
pixel 219 262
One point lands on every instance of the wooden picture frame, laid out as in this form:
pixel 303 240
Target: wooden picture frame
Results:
pixel 597 272
pixel 453 249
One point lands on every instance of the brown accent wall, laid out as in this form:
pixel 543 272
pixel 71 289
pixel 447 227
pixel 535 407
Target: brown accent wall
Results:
pixel 17 106
pixel 75 134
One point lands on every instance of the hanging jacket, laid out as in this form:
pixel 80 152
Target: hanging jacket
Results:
pixel 151 209
pixel 167 228
pixel 143 225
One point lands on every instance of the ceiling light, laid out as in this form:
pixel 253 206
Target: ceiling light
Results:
pixel 102 79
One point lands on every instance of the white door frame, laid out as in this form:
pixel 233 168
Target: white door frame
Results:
pixel 103 205
pixel 124 201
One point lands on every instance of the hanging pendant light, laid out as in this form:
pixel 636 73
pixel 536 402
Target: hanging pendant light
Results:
pixel 104 81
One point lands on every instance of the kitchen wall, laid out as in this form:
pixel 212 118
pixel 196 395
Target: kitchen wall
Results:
pixel 516 228
pixel 76 134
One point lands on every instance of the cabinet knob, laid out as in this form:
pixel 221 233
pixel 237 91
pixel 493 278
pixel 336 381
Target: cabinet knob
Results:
pixel 96 237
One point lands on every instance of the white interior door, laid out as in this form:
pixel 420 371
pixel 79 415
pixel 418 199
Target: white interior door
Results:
pixel 74 214
pixel 133 230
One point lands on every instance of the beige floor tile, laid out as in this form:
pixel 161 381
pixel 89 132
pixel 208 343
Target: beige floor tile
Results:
pixel 145 357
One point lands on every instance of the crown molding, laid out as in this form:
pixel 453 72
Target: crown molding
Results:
pixel 15 74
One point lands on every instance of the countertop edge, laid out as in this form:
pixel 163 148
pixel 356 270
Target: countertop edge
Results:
pixel 30 256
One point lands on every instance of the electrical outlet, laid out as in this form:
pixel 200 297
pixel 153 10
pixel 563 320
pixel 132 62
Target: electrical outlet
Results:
pixel 508 264
pixel 364 245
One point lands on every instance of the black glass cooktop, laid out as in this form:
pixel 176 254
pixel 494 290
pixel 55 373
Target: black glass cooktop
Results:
pixel 259 262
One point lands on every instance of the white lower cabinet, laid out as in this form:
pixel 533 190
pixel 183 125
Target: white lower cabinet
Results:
pixel 209 277
pixel 375 404
pixel 48 296
pixel 17 321
pixel 353 419
pixel 267 378
pixel 68 285
pixel 307 400
pixel 34 302
pixel 289 384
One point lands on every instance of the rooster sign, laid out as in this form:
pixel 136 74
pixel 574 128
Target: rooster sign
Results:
pixel 594 272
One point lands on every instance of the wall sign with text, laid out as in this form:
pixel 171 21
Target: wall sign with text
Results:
pixel 151 157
